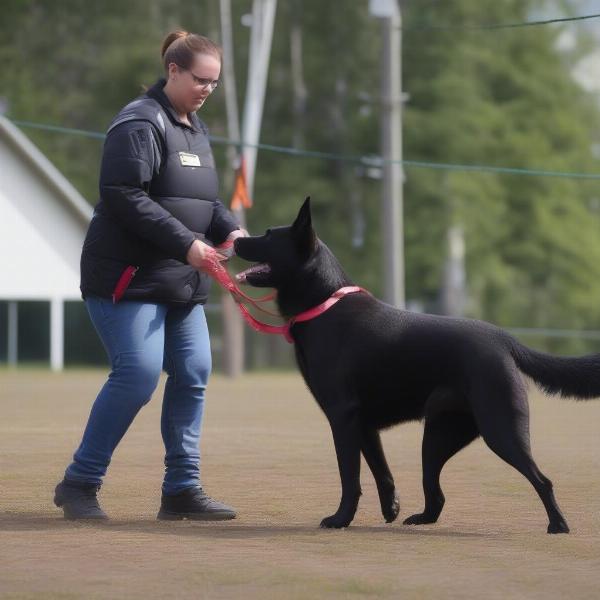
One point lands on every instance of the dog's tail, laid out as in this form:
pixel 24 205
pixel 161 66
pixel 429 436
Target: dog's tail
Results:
pixel 577 377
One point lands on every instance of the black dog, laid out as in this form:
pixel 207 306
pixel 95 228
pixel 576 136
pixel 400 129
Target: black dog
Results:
pixel 370 366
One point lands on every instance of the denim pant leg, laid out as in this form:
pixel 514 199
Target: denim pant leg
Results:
pixel 133 336
pixel 188 365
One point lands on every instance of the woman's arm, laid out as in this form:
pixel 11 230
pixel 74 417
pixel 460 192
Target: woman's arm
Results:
pixel 131 157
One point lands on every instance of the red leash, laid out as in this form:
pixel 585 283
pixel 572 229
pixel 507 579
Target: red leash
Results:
pixel 217 271
pixel 213 267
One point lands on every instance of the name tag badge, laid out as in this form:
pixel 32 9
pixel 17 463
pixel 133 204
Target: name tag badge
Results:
pixel 189 160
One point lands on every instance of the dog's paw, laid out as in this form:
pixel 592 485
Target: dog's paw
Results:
pixel 420 519
pixel 390 506
pixel 559 527
pixel 335 522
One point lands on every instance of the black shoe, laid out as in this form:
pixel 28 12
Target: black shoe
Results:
pixel 193 503
pixel 78 500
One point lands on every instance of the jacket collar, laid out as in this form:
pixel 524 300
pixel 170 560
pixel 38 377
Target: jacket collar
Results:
pixel 156 92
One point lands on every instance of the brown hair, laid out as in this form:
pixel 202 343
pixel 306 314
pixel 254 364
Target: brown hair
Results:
pixel 179 47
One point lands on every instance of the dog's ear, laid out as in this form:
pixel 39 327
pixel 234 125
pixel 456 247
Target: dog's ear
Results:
pixel 303 232
pixel 303 220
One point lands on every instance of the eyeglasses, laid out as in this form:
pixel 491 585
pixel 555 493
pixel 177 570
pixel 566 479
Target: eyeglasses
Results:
pixel 203 82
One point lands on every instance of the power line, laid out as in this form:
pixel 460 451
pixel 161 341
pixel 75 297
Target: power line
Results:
pixel 496 25
pixel 59 129
pixel 500 170
pixel 365 160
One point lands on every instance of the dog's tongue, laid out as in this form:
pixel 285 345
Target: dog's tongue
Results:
pixel 241 277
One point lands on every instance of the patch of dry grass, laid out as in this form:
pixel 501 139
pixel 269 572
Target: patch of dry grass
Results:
pixel 267 450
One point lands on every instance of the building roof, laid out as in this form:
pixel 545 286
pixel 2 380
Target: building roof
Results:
pixel 43 220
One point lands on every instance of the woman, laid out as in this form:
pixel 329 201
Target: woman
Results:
pixel 157 220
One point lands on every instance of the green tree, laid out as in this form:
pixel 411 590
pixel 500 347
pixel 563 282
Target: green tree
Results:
pixel 505 98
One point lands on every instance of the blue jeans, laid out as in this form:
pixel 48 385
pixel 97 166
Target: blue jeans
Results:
pixel 141 339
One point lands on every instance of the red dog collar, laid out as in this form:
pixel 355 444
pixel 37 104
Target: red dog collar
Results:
pixel 311 313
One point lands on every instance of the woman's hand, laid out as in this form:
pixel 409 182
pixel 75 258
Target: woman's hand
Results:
pixel 236 233
pixel 226 248
pixel 200 254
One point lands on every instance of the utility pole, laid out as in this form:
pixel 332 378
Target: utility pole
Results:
pixel 454 296
pixel 391 142
pixel 233 326
pixel 263 18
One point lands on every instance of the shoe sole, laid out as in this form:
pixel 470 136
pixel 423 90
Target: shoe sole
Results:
pixel 164 515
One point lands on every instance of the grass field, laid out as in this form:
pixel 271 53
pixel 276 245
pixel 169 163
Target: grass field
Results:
pixel 267 450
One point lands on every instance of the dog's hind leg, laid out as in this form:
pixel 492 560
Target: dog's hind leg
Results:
pixel 375 457
pixel 445 434
pixel 503 419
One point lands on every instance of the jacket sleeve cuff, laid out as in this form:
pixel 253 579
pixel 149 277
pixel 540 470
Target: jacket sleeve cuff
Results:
pixel 222 224
pixel 185 246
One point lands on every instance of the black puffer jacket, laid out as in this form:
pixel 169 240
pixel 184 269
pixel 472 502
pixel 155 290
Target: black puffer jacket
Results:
pixel 158 192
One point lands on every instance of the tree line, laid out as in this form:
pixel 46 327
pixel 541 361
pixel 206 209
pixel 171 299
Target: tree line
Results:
pixel 501 98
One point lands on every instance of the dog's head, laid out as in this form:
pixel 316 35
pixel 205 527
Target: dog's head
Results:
pixel 280 253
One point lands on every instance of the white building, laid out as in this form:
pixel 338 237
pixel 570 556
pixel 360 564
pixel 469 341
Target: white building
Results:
pixel 43 221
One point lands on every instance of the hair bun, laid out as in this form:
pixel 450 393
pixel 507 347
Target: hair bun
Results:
pixel 181 47
pixel 171 37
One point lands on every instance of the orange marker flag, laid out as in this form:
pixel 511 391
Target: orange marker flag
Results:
pixel 240 198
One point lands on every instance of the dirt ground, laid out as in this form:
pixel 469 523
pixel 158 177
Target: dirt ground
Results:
pixel 267 450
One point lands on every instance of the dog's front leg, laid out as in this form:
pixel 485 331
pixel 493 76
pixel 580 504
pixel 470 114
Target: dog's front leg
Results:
pixel 373 452
pixel 346 437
